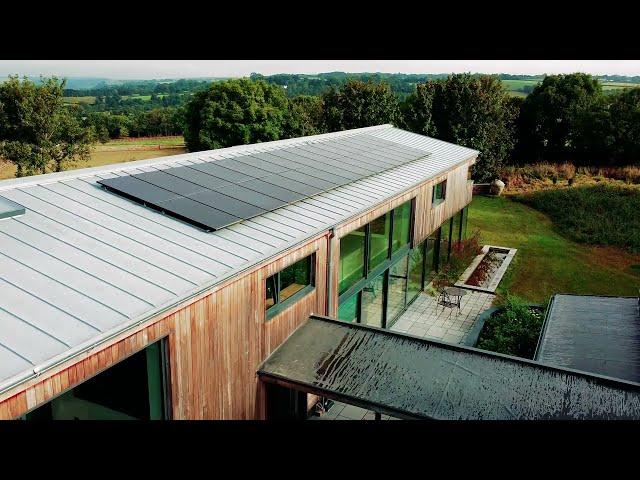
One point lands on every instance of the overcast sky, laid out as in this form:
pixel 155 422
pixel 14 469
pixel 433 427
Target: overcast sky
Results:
pixel 149 69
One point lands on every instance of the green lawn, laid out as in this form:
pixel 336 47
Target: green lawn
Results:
pixel 547 262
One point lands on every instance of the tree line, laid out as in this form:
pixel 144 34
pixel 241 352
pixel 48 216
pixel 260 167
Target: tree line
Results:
pixel 564 118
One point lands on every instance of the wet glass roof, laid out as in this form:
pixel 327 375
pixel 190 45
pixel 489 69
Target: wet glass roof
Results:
pixel 410 377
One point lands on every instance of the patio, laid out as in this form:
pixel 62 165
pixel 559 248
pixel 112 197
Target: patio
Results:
pixel 425 319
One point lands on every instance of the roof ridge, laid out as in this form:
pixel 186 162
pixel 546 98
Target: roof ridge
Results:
pixel 54 177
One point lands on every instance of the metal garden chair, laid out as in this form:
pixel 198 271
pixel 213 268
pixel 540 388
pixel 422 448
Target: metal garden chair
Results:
pixel 446 301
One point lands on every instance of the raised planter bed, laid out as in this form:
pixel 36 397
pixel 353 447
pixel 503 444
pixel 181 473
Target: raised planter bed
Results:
pixel 472 337
pixel 487 269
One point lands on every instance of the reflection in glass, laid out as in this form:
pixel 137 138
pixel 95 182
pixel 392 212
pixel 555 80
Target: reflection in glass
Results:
pixel 294 278
pixel 351 259
pixel 416 264
pixel 348 310
pixel 401 226
pixel 397 289
pixel 379 240
pixel 445 234
pixel 271 291
pixel 372 302
pixel 430 257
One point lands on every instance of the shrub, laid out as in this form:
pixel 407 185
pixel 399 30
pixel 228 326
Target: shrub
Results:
pixel 602 214
pixel 513 331
pixel 462 253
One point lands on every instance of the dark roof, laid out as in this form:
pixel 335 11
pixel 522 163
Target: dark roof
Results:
pixel 593 333
pixel 411 377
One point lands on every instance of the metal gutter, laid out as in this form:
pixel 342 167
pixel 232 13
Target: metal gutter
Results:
pixel 543 330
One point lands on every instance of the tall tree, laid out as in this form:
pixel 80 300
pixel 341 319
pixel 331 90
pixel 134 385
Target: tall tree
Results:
pixel 549 113
pixel 474 111
pixel 305 117
pixel 625 115
pixel 235 112
pixel 359 104
pixel 38 133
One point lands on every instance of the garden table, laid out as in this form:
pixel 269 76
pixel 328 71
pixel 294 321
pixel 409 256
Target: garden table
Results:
pixel 457 293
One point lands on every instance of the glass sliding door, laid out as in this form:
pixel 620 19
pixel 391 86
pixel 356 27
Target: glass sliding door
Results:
pixel 416 268
pixel 380 231
pixel 431 257
pixel 372 309
pixel 397 290
pixel 352 247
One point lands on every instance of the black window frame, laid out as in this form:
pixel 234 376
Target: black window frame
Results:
pixel 280 305
pixel 383 268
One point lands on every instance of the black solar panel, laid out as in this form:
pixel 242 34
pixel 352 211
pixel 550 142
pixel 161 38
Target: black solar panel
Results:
pixel 212 195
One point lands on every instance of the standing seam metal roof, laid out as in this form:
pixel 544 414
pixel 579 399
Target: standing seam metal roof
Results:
pixel 594 333
pixel 84 263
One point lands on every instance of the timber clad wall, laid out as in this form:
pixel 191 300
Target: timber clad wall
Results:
pixel 217 342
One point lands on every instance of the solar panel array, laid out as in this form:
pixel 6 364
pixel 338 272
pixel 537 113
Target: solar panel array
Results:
pixel 212 195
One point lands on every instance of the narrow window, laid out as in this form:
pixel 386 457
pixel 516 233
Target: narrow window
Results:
pixel 439 193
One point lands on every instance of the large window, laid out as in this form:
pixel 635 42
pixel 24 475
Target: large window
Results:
pixel 349 310
pixel 416 267
pixel 134 389
pixel 397 291
pixel 373 272
pixel 287 286
pixel 401 226
pixel 372 308
pixel 352 248
pixel 380 230
pixel 439 193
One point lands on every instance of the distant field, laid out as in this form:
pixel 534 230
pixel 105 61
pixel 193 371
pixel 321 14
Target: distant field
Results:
pixel 615 86
pixel 177 141
pixel 515 84
pixel 99 158
pixel 92 100
pixel 85 100
pixel 120 152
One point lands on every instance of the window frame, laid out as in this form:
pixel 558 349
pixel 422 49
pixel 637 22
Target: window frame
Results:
pixel 384 267
pixel 437 201
pixel 280 305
